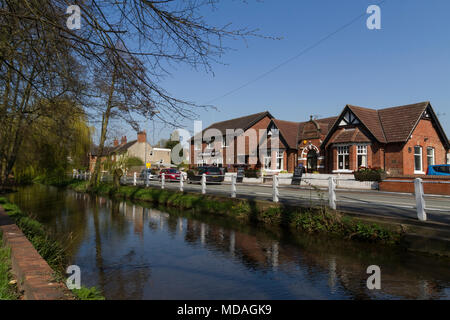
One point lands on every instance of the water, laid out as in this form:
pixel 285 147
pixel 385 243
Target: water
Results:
pixel 134 251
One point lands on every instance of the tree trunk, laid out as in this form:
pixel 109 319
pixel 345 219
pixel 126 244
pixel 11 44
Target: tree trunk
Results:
pixel 105 120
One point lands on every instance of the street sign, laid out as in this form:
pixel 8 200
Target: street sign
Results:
pixel 149 165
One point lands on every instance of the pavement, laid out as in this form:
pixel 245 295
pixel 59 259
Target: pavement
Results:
pixel 373 202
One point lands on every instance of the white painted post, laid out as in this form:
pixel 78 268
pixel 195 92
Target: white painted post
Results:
pixel 203 183
pixel 332 192
pixel 181 183
pixel 74 173
pixel 275 189
pixel 134 178
pixel 420 200
pixel 233 186
pixel 163 180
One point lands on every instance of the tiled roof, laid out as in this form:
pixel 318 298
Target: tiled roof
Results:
pixel 349 135
pixel 289 131
pixel 123 147
pixel 389 125
pixel 398 122
pixel 370 118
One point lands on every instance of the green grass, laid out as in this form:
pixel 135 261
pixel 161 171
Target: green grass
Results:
pixel 7 291
pixel 48 248
pixel 310 220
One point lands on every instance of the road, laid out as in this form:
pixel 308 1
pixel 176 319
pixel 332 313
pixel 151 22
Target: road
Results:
pixel 389 204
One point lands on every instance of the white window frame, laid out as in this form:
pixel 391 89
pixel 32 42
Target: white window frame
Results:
pixel 420 154
pixel 280 155
pixel 432 156
pixel 361 150
pixel 343 151
pixel 267 158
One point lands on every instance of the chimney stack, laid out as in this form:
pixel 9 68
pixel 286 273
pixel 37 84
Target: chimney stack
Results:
pixel 123 140
pixel 116 142
pixel 142 136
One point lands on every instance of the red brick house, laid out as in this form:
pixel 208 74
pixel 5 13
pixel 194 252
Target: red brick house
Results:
pixel 401 140
pixel 225 153
pixel 299 143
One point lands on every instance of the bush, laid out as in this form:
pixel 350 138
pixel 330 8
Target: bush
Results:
pixel 370 174
pixel 251 173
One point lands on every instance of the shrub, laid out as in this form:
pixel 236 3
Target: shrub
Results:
pixel 370 174
pixel 251 173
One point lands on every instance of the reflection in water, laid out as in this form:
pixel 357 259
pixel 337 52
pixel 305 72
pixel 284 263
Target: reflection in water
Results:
pixel 133 251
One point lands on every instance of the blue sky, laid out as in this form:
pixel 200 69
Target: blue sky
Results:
pixel 407 61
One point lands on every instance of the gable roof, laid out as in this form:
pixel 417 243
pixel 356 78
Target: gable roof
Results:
pixel 123 147
pixel 243 123
pixel 390 125
pixel 289 131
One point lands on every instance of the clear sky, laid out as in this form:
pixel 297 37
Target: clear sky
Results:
pixel 407 61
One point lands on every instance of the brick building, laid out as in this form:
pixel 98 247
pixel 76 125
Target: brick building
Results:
pixel 402 140
pixel 218 144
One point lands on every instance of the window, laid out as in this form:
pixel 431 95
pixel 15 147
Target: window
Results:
pixel 430 156
pixel 280 158
pixel 268 161
pixel 418 159
pixel 361 156
pixel 224 142
pixel 343 158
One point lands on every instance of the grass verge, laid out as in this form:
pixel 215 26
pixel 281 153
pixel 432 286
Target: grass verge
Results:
pixel 48 248
pixel 311 220
pixel 8 289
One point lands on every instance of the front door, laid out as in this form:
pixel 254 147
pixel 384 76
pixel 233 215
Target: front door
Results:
pixel 311 161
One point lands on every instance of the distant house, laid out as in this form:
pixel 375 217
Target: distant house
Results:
pixel 139 148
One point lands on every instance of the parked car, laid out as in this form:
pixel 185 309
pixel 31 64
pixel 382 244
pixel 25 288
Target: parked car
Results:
pixel 439 170
pixel 151 174
pixel 213 174
pixel 170 174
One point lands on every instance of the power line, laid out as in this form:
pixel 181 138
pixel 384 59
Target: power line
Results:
pixel 304 51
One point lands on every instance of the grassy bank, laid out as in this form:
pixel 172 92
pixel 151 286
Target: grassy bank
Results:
pixel 8 289
pixel 311 220
pixel 49 249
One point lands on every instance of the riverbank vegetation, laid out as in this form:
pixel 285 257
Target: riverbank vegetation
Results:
pixel 48 248
pixel 312 220
pixel 8 288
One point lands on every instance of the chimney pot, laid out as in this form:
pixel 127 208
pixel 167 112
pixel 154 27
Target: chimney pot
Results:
pixel 116 142
pixel 123 140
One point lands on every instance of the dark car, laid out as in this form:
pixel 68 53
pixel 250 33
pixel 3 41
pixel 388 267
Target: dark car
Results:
pixel 170 174
pixel 213 174
pixel 151 174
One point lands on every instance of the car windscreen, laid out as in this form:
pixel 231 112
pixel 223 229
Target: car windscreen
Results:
pixel 442 169
pixel 172 171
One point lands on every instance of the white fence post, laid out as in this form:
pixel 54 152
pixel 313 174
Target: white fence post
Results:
pixel 181 183
pixel 332 193
pixel 233 186
pixel 275 188
pixel 420 200
pixel 203 183
pixel 163 180
pixel 134 178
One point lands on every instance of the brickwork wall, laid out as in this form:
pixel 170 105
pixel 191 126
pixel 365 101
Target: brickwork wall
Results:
pixel 34 275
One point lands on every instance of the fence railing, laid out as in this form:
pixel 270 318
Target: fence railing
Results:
pixel 160 181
